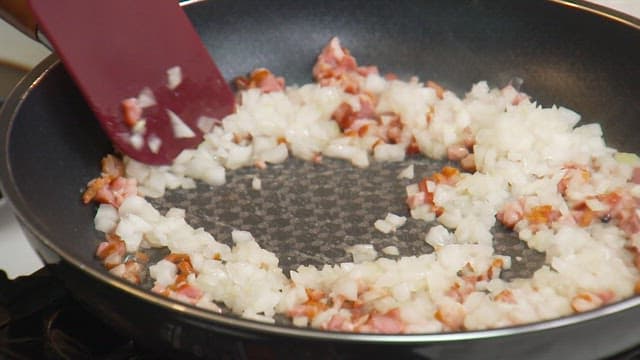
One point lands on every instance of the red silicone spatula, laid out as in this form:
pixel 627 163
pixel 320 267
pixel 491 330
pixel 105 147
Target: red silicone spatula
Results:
pixel 143 70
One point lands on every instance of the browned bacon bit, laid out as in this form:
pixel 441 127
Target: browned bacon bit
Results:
pixel 451 315
pixel 542 214
pixel 112 167
pixel 494 270
pixel 437 87
pixel 448 175
pixel 185 267
pixel 106 191
pixel 336 66
pixel 394 128
pixel 314 305
pixel 111 187
pixel 177 257
pixel 413 147
pixel 344 116
pixel 141 257
pixel 132 272
pixel 511 213
pixel 111 251
pixel 457 152
pixel 462 288
pixel 582 214
pixel 505 296
pixel 585 301
pixel 261 79
pixel 131 111
pixel 636 288
pixel 468 163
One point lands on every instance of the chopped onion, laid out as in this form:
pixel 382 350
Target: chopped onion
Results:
pixel 146 98
pixel 362 252
pixel 180 129
pixel 256 183
pixel 137 141
pixel 154 143
pixel 206 124
pixel 174 77
pixel 406 173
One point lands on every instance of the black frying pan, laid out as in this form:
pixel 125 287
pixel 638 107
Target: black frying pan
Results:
pixel 569 54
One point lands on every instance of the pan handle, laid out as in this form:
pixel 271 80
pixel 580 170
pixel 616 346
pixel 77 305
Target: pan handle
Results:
pixel 19 15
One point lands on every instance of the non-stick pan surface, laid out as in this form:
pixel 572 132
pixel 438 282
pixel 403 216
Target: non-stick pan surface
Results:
pixel 306 213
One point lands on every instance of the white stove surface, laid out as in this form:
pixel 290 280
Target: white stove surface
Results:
pixel 16 256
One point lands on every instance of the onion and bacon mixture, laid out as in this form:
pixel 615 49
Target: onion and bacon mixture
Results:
pixel 530 168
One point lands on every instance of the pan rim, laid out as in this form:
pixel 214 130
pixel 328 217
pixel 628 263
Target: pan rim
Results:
pixel 31 81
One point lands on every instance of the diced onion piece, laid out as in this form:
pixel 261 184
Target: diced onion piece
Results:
pixel 383 226
pixel 391 250
pixel 627 158
pixel 146 98
pixel 256 183
pixel 206 124
pixel 180 129
pixel 362 252
pixel 174 77
pixel 154 143
pixel 406 173
pixel 137 141
pixel 140 127
pixel 395 220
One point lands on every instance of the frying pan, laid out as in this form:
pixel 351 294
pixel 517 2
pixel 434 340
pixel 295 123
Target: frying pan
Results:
pixel 568 53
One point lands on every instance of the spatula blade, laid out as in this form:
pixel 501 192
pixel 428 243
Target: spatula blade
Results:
pixel 118 49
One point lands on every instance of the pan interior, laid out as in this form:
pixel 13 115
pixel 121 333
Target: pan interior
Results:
pixel 308 213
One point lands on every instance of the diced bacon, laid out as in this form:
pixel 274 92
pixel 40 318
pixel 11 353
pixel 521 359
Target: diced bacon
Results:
pixel 113 245
pixel 387 323
pixel 112 166
pixel 111 187
pixel 112 260
pixel 133 272
pixel 448 175
pixel 451 315
pixel 505 296
pixel 468 138
pixel 344 116
pixel 574 173
pixel 116 191
pixel 468 163
pixel 511 213
pixel 461 289
pixel 336 323
pixel 336 66
pixel 542 214
pixel 635 175
pixel 262 79
pixel 457 152
pixel 131 111
pixel 437 87
pixel 190 291
pixel 585 301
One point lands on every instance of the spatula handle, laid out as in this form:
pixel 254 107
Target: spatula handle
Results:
pixel 18 14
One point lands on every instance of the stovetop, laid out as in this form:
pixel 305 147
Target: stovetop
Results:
pixel 39 319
